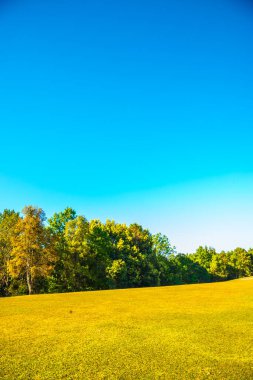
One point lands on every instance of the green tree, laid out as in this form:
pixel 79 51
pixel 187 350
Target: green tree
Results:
pixel 58 221
pixel 8 221
pixel 241 262
pixel 141 260
pixel 117 274
pixel 203 256
pixel 162 246
pixel 77 259
pixel 187 271
pixel 220 269
pixel 59 280
pixel 99 246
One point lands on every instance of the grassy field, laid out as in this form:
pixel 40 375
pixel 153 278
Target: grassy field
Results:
pixel 179 332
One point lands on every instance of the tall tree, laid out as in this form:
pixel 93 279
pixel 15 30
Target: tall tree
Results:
pixel 60 281
pixel 203 256
pixel 59 220
pixel 99 247
pixel 162 246
pixel 220 269
pixel 33 247
pixel 76 260
pixel 241 262
pixel 8 221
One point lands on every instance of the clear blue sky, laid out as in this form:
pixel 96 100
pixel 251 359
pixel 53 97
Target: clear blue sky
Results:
pixel 133 110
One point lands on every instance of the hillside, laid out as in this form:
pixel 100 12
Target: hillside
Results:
pixel 180 332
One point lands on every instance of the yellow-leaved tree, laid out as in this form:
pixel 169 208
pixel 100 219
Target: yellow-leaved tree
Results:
pixel 33 252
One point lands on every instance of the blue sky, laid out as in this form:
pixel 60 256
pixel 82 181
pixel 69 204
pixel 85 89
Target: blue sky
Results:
pixel 137 111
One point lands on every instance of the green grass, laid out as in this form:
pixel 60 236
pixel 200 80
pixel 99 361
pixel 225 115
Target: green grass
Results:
pixel 179 332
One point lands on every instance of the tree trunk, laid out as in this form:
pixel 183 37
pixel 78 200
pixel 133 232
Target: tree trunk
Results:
pixel 29 281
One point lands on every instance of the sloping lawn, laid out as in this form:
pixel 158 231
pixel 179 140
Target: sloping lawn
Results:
pixel 180 332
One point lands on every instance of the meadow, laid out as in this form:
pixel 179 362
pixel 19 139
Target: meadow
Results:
pixel 202 331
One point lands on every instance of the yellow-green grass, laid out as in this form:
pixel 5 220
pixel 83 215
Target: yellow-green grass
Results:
pixel 180 332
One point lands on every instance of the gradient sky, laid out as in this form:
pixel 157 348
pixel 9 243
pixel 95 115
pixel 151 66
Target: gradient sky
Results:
pixel 132 110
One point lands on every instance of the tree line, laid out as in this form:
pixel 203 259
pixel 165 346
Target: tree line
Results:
pixel 69 253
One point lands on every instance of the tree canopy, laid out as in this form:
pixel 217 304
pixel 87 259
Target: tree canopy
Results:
pixel 70 253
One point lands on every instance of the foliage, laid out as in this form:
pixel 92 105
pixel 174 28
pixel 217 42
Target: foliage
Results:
pixel 70 253
pixel 32 252
pixel 162 246
pixel 8 221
